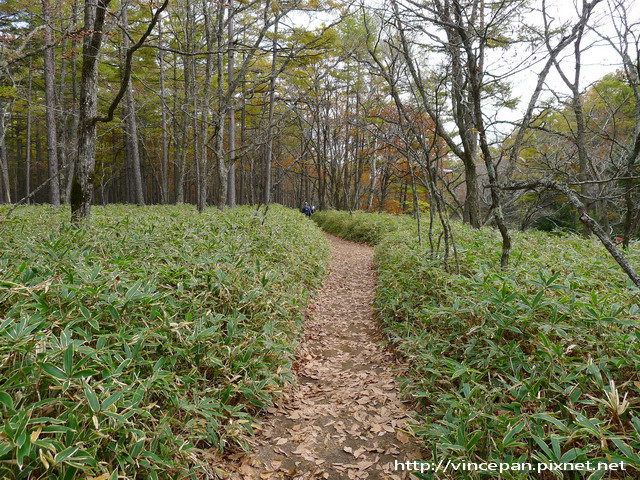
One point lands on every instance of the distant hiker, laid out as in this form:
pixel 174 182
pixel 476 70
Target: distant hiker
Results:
pixel 306 209
pixel 313 209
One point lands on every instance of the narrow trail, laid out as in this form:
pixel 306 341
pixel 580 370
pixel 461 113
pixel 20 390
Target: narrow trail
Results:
pixel 345 419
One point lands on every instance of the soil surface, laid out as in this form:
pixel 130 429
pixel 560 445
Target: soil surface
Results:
pixel 345 418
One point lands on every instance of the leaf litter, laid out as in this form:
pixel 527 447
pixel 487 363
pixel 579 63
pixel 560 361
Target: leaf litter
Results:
pixel 345 419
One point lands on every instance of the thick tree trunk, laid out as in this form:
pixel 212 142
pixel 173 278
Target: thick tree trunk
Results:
pixel 471 212
pixel 62 116
pixel 82 185
pixel 72 146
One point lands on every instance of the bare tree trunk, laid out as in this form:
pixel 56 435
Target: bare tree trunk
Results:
pixel 181 153
pixel 232 112
pixel 72 147
pixel 62 116
pixel 50 98
pixel 27 179
pixel 475 72
pixel 272 95
pixel 223 167
pixel 164 165
pixel 373 177
pixel 471 212
pixel 133 148
pixel 200 126
pixel 82 185
pixel 5 186
pixel 416 204
pixel 243 124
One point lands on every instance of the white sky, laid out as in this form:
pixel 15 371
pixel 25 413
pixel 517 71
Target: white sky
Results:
pixel 598 58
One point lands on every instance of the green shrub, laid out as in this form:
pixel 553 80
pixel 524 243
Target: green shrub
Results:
pixel 530 364
pixel 152 334
pixel 361 226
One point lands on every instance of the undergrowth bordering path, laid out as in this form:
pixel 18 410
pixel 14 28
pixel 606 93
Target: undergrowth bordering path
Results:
pixel 345 418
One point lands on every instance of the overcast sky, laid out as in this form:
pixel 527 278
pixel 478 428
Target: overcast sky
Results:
pixel 598 58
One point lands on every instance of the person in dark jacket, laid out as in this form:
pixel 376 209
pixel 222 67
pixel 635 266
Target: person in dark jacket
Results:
pixel 306 209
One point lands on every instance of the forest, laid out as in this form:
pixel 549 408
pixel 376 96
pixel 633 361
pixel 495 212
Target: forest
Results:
pixel 167 311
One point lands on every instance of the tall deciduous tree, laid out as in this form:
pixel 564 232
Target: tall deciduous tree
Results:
pixel 131 124
pixel 94 22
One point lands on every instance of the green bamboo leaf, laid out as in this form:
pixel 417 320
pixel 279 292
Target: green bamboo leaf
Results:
pixel 588 424
pixel 68 360
pixel 54 371
pixel 92 398
pixel 111 400
pixel 23 451
pixel 65 454
pixel 507 441
pixel 6 400
pixel 552 420
pixel 84 373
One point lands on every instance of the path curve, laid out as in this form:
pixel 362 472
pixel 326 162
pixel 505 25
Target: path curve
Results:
pixel 345 419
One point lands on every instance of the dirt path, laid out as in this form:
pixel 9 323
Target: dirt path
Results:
pixel 345 419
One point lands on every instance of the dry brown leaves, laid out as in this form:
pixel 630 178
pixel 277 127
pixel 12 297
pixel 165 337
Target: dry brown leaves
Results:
pixel 345 420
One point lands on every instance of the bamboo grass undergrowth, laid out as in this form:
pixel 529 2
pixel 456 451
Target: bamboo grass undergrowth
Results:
pixel 131 347
pixel 537 363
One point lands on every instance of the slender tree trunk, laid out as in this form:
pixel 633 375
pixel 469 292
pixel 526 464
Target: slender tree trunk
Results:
pixel 5 186
pixel 272 95
pixel 223 167
pixel 232 112
pixel 39 161
pixel 131 125
pixel 202 158
pixel 164 165
pixel 416 204
pixel 27 176
pixel 181 153
pixel 50 99
pixel 249 181
pixel 199 129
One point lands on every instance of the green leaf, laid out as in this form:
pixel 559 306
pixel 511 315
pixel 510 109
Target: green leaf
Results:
pixel 6 400
pixel 68 360
pixel 84 373
pixel 111 400
pixel 92 398
pixel 507 441
pixel 23 452
pixel 54 371
pixel 114 313
pixel 552 420
pixel 588 424
pixel 64 454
